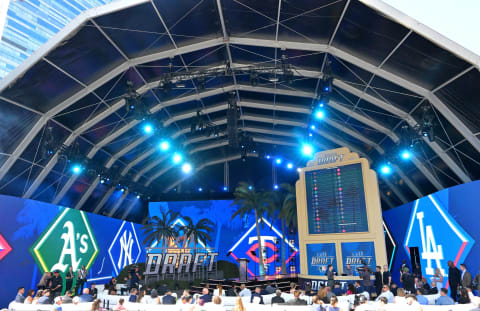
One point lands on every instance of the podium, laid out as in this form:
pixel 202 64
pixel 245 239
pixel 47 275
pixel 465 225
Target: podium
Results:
pixel 242 269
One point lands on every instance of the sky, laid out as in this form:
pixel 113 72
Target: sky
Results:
pixel 458 20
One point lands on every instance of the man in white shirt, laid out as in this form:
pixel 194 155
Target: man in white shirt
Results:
pixel 244 291
pixel 386 293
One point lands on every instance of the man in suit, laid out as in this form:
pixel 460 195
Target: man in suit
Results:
pixel 206 295
pixel 330 276
pixel 278 297
pixel 81 279
pixel 466 277
pixel 433 289
pixel 453 279
pixel 257 293
pixel 168 299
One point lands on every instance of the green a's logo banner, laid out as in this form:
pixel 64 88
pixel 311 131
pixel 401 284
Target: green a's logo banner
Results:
pixel 67 241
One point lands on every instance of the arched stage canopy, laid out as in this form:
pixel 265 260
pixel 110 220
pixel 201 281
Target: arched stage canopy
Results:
pixel 388 70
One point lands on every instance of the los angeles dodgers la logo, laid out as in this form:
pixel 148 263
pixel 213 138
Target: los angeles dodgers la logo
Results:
pixel 430 229
pixel 125 248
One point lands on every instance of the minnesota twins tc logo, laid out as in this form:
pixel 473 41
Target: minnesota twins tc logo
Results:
pixel 430 228
pixel 125 249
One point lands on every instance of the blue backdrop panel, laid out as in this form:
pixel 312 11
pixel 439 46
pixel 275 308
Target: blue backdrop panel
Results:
pixel 238 235
pixel 26 224
pixel 319 256
pixel 443 225
pixel 356 253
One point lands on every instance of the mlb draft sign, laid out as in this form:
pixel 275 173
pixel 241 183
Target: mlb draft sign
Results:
pixel 319 256
pixel 357 254
pixel 437 235
pixel 67 241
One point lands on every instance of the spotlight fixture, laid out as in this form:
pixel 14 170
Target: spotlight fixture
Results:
pixel 122 190
pixel 250 187
pixel 386 169
pixel 186 168
pixel 307 150
pixel 148 128
pixel 200 189
pixel 225 188
pixel 77 168
pixel 405 154
pixel 275 187
pixel 138 196
pixel 164 145
pixel 319 114
pixel 177 158
pixel 278 161
pixel 312 126
pixel 289 166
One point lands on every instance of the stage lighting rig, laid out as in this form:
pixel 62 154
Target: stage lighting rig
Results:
pixel 134 102
pixel 427 123
pixel 233 115
pixel 201 123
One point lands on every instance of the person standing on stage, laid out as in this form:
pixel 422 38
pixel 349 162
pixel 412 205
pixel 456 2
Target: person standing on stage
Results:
pixel 330 276
pixel 81 280
pixel 365 273
pixel 348 270
pixel 69 278
pixel 57 284
pixel 466 277
pixel 378 280
pixel 402 267
pixel 453 279
pixel 386 276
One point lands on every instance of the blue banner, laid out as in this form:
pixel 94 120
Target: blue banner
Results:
pixel 319 256
pixel 356 254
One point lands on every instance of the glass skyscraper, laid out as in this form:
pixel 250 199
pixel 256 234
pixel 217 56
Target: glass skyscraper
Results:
pixel 30 23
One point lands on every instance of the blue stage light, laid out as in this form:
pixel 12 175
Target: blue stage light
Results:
pixel 250 187
pixel 225 188
pixel 138 196
pixel 406 154
pixel 122 190
pixel 200 189
pixel 275 187
pixel 164 145
pixel 289 166
pixel 147 128
pixel 268 157
pixel 386 169
pixel 77 168
pixel 319 114
pixel 177 158
pixel 307 150
pixel 312 126
pixel 326 88
pixel 278 161
pixel 186 168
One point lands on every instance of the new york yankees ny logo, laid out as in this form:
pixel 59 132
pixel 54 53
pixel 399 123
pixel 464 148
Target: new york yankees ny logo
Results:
pixel 126 244
pixel 430 228
pixel 125 248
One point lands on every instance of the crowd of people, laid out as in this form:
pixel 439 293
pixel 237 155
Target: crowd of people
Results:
pixel 412 292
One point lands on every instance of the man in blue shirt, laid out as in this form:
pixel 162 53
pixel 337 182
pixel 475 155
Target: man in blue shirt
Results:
pixel 420 298
pixel 19 298
pixel 168 299
pixel 86 297
pixel 257 293
pixel 206 295
pixel 444 299
pixel 45 299
pixel 133 295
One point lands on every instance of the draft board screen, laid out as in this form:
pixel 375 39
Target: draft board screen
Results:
pixel 336 200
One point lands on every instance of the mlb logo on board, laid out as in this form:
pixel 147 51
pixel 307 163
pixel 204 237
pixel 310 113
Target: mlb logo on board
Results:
pixel 437 235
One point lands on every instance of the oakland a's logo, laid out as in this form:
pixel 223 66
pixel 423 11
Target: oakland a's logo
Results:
pixel 67 241
pixel 432 229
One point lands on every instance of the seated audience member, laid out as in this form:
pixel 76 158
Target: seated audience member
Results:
pixel 444 299
pixel 316 304
pixel 278 297
pixel 382 303
pixel 29 298
pixel 329 293
pixel 67 298
pixel 141 296
pixel 133 295
pixel 296 301
pixel 93 291
pixel 57 305
pixel 20 298
pixel 186 303
pixel 86 297
pixel 393 288
pixel 421 298
pixel 244 291
pixel 154 298
pixel 238 305
pixel 293 287
pixel 400 298
pixel 113 292
pixel 120 306
pixel 257 294
pixel 386 293
pixel 219 291
pixel 433 288
pixel 45 299
pixel 200 306
pixel 361 304
pixel 206 297
pixel 96 305
pixel 269 288
pixel 112 285
pixel 37 296
pixel 411 300
pixel 75 300
pixel 168 299
pixel 348 270
pixel 308 290
pixel 333 305
pixel 463 297
pixel 322 294
pixel 351 289
pixel 232 291
pixel 358 288
pixel 217 303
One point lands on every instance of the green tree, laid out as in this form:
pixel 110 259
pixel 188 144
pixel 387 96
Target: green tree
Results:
pixel 288 214
pixel 248 200
pixel 160 229
pixel 199 232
